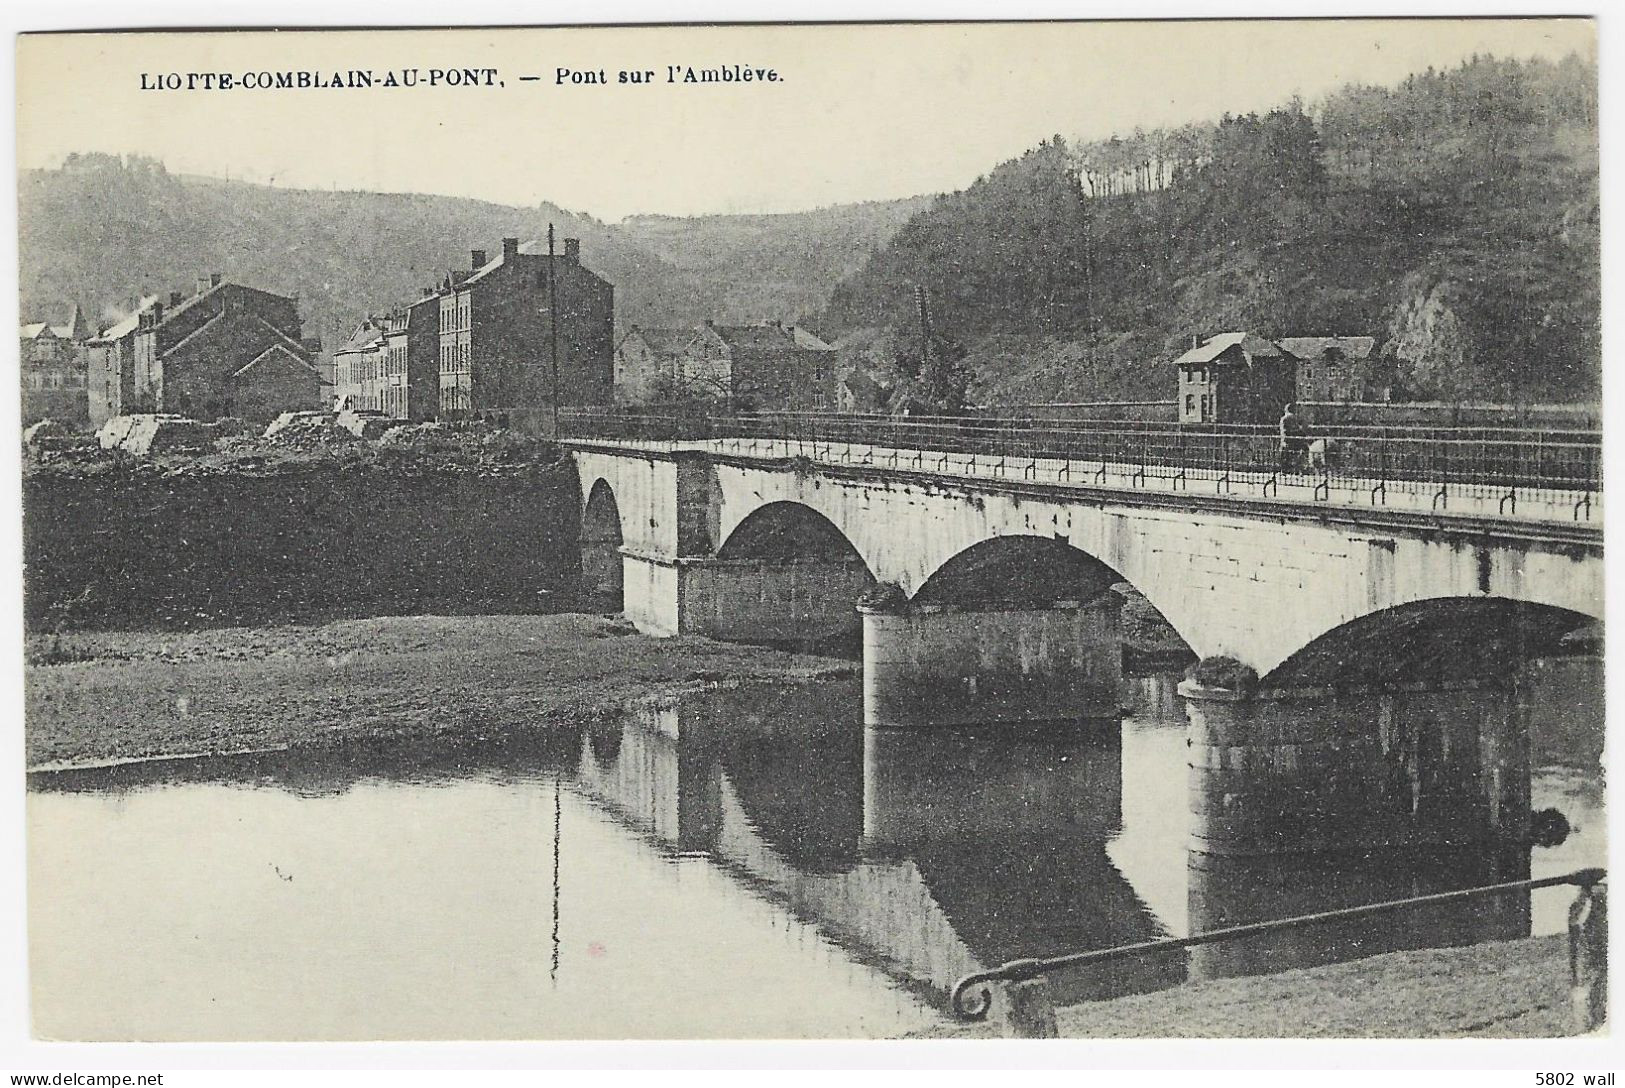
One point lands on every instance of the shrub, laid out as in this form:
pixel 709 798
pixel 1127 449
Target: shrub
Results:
pixel 1224 672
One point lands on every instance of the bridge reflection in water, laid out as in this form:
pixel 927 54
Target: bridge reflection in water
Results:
pixel 705 840
pixel 934 854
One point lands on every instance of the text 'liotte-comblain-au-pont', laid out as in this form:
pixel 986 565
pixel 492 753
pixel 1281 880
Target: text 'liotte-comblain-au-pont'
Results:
pixel 311 79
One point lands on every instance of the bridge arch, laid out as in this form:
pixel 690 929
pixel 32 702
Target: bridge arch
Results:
pixel 1032 571
pixel 1017 569
pixel 601 540
pixel 1432 640
pixel 785 573
pixel 788 530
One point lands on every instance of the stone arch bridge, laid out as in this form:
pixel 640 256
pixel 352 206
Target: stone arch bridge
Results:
pixel 986 580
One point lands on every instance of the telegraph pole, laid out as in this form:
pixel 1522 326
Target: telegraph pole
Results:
pixel 925 329
pixel 553 323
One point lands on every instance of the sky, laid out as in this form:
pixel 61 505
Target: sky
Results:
pixel 858 112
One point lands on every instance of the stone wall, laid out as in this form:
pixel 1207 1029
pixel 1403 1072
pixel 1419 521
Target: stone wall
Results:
pixel 144 545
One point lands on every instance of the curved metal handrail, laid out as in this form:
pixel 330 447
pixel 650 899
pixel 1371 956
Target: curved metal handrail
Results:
pixel 967 1007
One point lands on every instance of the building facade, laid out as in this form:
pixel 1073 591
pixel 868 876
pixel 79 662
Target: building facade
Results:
pixel 769 366
pixel 496 330
pixel 647 364
pixel 409 385
pixel 110 366
pixel 1235 377
pixel 228 350
pixel 54 368
pixel 1335 368
pixel 357 364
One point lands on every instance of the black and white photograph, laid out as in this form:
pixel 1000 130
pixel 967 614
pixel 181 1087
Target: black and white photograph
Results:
pixel 1063 530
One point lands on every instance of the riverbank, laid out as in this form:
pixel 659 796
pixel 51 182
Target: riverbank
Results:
pixel 103 696
pixel 1501 989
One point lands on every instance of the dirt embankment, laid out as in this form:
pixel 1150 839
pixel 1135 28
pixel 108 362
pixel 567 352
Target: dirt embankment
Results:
pixel 123 695
pixel 253 532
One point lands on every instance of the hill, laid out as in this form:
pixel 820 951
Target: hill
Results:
pixel 102 230
pixel 1453 217
pixel 760 266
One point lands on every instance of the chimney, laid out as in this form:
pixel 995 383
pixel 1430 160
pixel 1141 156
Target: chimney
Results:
pixel 477 258
pixel 510 248
pixel 572 251
pixel 709 322
pixel 214 279
pixel 157 312
pixel 200 285
pixel 174 298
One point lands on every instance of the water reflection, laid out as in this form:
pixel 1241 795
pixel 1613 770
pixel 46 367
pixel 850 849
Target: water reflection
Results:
pixel 757 846
pixel 1235 891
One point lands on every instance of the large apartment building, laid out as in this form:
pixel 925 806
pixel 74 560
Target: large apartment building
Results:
pixel 496 328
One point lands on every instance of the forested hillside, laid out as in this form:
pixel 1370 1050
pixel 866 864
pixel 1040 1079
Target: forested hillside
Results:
pixel 758 266
pixel 1454 218
pixel 102 230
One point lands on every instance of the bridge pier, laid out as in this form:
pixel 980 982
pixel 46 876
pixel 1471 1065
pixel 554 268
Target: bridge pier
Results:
pixel 1312 800
pixel 743 600
pixel 1325 771
pixel 944 665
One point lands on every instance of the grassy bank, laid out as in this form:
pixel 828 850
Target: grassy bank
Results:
pixel 101 696
pixel 1501 989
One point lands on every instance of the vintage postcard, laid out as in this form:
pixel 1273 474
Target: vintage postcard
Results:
pixel 976 530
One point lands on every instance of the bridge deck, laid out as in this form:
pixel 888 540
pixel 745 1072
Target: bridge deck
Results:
pixel 1514 504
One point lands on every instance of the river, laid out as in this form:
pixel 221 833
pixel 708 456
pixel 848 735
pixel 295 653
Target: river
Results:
pixel 743 863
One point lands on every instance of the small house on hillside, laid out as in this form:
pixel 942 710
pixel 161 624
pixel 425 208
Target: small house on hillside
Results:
pixel 647 363
pixel 1235 377
pixel 770 365
pixel 1335 368
pixel 54 370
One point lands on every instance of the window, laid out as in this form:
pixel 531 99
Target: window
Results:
pixel 1190 403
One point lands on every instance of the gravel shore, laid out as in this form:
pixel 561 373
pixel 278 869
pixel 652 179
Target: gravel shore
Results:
pixel 1500 989
pixel 97 697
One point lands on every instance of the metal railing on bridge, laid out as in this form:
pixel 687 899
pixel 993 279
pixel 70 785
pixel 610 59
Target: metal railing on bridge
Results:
pixel 1504 464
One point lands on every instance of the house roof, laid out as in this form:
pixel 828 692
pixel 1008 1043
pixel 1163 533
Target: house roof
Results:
pixel 36 329
pixel 268 353
pixel 129 324
pixel 768 337
pixel 482 271
pixel 367 335
pixel 661 340
pixel 1214 346
pixel 808 340
pixel 529 249
pixel 1311 348
pixel 293 346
